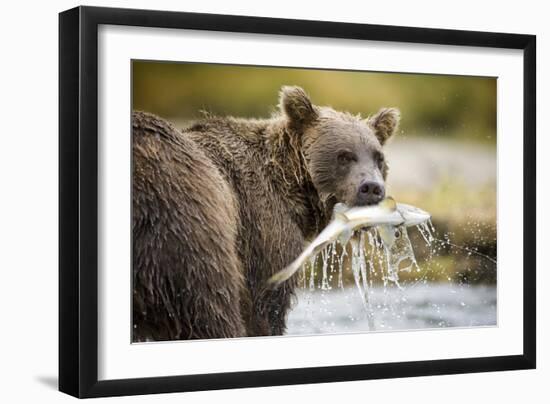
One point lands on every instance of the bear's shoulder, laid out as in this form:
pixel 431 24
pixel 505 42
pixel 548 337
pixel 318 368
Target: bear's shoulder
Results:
pixel 147 124
pixel 244 131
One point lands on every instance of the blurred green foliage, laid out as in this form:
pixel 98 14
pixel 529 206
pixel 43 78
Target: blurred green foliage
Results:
pixel 437 105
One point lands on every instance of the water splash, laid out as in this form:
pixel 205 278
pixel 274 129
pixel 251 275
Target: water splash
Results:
pixel 364 255
pixel 325 260
pixel 427 231
pixel 341 267
pixel 369 260
pixel 358 267
pixel 312 261
pixel 365 283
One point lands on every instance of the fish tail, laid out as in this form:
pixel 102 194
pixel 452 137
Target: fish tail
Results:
pixel 282 275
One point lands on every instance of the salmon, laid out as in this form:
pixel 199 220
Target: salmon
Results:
pixel 387 216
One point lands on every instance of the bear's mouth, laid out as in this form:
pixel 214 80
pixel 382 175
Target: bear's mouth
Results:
pixel 327 207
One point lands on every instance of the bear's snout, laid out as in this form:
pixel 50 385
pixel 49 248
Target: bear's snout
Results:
pixel 370 193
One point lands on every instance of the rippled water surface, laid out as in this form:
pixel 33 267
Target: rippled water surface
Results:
pixel 414 307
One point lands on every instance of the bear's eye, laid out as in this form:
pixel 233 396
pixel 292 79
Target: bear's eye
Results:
pixel 346 157
pixel 379 159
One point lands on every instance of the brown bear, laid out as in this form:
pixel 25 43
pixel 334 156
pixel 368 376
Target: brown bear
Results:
pixel 222 205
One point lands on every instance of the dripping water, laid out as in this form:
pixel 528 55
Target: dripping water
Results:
pixel 368 258
pixel 427 231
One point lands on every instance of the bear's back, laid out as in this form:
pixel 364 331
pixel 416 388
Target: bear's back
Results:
pixel 185 221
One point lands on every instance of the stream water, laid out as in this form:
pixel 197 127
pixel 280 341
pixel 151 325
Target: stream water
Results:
pixel 386 305
pixel 421 306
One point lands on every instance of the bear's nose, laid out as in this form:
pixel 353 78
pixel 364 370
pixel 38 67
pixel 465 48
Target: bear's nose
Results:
pixel 370 192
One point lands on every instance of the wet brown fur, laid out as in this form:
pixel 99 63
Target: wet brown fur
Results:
pixel 224 204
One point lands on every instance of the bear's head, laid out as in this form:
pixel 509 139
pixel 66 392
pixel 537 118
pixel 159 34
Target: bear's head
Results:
pixel 342 152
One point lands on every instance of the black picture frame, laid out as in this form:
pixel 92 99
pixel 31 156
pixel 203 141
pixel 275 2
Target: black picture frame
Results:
pixel 78 201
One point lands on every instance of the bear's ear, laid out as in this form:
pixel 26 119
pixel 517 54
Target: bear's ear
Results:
pixel 384 123
pixel 297 107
